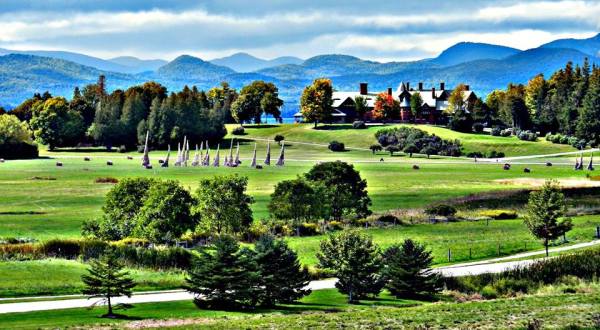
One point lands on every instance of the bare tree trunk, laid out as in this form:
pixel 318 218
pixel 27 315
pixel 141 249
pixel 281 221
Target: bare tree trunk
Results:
pixel 546 246
pixel 110 311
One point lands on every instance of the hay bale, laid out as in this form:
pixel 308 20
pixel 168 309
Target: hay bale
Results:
pixel 506 167
pixel 548 164
pixel 129 157
pixel 1 160
pixel 415 167
pixel 87 159
pixel 160 161
pixel 148 167
pixel 109 163
pixel 259 167
pixel 59 164
pixel 526 170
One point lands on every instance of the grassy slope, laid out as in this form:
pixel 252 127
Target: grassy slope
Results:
pixel 23 278
pixel 511 146
pixel 327 309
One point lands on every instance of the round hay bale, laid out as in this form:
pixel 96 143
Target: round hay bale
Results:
pixel 160 161
pixel 109 163
pixel 148 167
pixel 381 159
pixel 259 167
pixel 59 164
pixel 506 167
pixel 415 167
pixel 87 159
pixel 129 157
pixel 526 170
pixel 1 160
pixel 548 164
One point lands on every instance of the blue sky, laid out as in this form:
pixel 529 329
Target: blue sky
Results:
pixel 378 30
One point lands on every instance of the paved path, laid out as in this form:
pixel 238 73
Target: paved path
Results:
pixel 473 268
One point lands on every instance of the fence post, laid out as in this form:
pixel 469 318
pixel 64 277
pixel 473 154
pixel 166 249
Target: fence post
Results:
pixel 470 253
pixel 597 231
pixel 449 255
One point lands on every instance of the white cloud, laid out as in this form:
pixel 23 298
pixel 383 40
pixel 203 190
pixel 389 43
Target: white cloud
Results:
pixel 401 35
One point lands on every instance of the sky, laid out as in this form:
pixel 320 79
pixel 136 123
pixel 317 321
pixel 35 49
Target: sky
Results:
pixel 393 30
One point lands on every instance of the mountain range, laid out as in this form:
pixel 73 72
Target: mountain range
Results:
pixel 484 67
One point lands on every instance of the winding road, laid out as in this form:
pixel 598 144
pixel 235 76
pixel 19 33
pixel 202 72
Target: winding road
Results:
pixel 472 268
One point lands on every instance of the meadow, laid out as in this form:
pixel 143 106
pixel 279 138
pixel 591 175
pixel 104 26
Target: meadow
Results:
pixel 326 309
pixel 42 201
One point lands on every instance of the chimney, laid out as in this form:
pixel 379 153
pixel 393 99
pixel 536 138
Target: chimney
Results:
pixel 442 86
pixel 421 86
pixel 433 92
pixel 389 91
pixel 364 90
pixel 407 86
pixel 467 87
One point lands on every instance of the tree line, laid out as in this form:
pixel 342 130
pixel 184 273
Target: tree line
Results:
pixel 121 118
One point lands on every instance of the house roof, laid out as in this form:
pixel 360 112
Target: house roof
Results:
pixel 341 97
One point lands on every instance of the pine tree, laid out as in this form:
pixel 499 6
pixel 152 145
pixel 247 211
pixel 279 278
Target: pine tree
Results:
pixel 355 261
pixel 226 279
pixel 282 278
pixel 106 279
pixel 588 126
pixel 407 270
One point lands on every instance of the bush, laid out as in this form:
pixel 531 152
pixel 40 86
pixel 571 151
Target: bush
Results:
pixel 488 292
pixel 494 154
pixel 309 229
pixel 336 146
pixel 18 252
pixel 441 210
pixel 478 127
pixel 527 136
pixel 239 130
pixel 400 137
pixel 475 154
pixel 500 214
pixel 564 139
pixel 375 148
pixel 496 131
pixel 18 151
pixel 278 138
pixel 506 132
pixel 388 218
pixel 61 248
pixel 359 125
pixel 335 225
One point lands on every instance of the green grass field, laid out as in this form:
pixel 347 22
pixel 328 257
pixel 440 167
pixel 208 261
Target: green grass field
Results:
pixel 33 206
pixel 327 309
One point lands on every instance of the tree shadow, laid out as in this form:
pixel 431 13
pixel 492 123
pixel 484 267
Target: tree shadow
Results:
pixel 330 127
pixel 261 126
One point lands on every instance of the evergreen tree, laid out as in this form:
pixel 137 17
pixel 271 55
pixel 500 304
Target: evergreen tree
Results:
pixel 545 213
pixel 282 278
pixel 228 278
pixel 107 279
pixel 107 128
pixel 407 271
pixel 133 112
pixel 588 126
pixel 356 262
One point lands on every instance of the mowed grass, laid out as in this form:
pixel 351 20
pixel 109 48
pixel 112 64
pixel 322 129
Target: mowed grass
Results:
pixel 58 276
pixel 59 206
pixel 358 138
pixel 467 241
pixel 327 309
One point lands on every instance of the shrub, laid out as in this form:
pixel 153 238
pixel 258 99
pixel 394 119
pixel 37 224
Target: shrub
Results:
pixel 495 154
pixel 336 146
pixel 389 218
pixel 359 125
pixel 478 127
pixel 442 210
pixel 335 225
pixel 499 214
pixel 506 132
pixel 401 137
pixel 488 292
pixel 527 136
pixel 375 148
pixel 61 248
pixel 256 230
pixel 18 151
pixel 239 130
pixel 475 154
pixel 91 249
pixel 496 131
pixel 564 139
pixel 22 251
pixel 155 258
pixel 309 229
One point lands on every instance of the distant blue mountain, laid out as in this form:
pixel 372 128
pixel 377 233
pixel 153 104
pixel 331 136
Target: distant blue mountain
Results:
pixel 137 65
pixel 470 51
pixel 486 67
pixel 243 62
pixel 589 46
pixel 82 59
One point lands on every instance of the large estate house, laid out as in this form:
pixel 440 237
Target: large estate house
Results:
pixel 433 107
